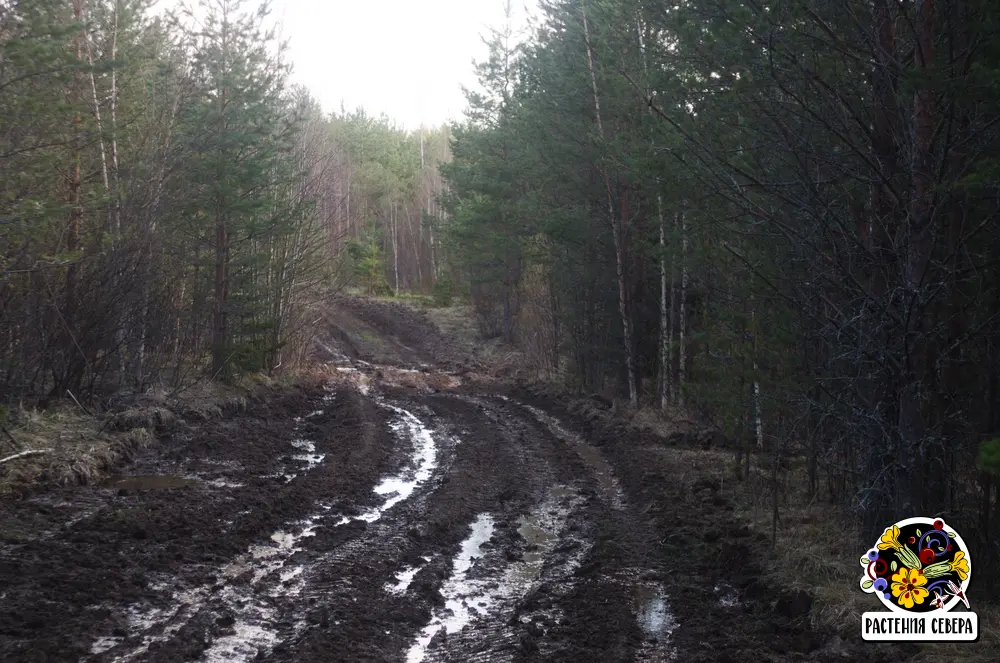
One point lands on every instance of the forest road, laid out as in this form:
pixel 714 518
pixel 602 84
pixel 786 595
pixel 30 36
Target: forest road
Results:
pixel 396 513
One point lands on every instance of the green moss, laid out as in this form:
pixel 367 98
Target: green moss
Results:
pixel 989 455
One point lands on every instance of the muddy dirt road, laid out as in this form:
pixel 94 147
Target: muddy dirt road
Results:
pixel 397 512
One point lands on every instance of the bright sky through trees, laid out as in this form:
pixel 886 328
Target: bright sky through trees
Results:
pixel 405 58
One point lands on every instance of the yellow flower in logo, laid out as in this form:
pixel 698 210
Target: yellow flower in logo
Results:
pixel 908 587
pixel 960 565
pixel 890 539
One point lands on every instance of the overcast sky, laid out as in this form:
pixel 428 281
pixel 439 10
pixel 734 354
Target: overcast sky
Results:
pixel 406 58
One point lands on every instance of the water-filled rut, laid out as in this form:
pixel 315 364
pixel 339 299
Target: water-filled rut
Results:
pixel 378 518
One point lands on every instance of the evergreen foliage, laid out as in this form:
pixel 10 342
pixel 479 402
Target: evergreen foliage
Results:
pixel 171 208
pixel 779 214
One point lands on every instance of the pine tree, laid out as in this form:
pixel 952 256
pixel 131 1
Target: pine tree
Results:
pixel 489 220
pixel 240 135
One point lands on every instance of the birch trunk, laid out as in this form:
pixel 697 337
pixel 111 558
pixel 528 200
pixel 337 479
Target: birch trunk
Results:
pixel 116 200
pixel 665 381
pixel 97 117
pixel 115 237
pixel 416 237
pixel 178 331
pixel 617 228
pixel 395 247
pixel 434 267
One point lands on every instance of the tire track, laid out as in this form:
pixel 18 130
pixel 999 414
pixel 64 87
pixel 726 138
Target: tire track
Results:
pixel 415 525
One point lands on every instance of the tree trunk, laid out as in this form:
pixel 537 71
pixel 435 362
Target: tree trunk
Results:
pixel 556 328
pixel 617 231
pixel 681 316
pixel 416 238
pixel 671 323
pixel 395 248
pixel 878 230
pixel 623 312
pixel 434 263
pixel 757 413
pixel 219 317
pixel 220 330
pixel 665 339
pixel 97 116
pixel 75 214
pixel 919 244
pixel 116 185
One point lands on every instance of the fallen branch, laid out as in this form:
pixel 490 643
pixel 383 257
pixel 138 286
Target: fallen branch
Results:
pixel 29 452
pixel 88 412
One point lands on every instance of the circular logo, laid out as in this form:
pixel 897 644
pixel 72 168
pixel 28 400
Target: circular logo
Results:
pixel 918 565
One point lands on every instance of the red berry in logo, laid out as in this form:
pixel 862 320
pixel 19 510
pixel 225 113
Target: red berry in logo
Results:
pixel 927 556
pixel 912 540
pixel 938 524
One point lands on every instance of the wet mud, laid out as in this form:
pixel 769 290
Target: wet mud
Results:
pixel 390 512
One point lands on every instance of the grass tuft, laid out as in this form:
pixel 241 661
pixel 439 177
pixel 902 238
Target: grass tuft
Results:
pixel 79 449
pixel 816 550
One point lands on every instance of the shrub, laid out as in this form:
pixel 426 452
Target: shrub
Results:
pixel 444 292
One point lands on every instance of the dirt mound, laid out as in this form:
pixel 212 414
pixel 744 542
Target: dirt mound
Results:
pixel 389 333
pixel 715 561
pixel 103 548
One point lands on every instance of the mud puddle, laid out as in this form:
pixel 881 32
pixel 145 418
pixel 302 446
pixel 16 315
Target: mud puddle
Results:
pixel 487 583
pixel 151 482
pixel 254 591
pixel 656 621
pixel 456 590
pixel 307 460
pixel 405 577
pixel 422 464
pixel 541 531
pixel 133 484
pixel 727 596
pixel 310 457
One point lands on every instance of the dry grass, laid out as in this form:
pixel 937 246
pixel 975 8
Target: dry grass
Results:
pixel 81 449
pixel 816 544
pixel 458 322
pixel 84 449
pixel 663 423
pixel 151 417
pixel 209 400
pixel 816 549
pixel 493 356
pixel 986 649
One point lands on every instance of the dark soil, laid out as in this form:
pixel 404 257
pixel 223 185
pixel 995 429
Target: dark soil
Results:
pixel 710 553
pixel 383 332
pixel 272 554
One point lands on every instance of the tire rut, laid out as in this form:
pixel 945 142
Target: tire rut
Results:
pixel 397 524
